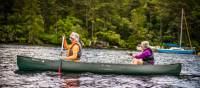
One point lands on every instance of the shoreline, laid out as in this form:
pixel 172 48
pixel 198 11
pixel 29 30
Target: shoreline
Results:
pixel 53 45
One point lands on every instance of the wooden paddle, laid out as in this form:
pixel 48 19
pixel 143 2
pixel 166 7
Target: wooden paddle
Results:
pixel 60 66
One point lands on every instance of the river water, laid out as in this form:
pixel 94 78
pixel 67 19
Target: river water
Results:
pixel 11 78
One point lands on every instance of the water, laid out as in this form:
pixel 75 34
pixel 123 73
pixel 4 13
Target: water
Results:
pixel 11 78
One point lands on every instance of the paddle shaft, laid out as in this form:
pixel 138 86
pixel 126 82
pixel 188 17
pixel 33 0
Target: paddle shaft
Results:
pixel 60 67
pixel 62 45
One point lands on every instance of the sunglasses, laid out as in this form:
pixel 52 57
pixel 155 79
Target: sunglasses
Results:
pixel 70 38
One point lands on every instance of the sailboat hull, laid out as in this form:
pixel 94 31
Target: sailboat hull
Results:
pixel 175 51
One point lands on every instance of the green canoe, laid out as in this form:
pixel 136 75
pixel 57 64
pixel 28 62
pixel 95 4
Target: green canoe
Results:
pixel 33 64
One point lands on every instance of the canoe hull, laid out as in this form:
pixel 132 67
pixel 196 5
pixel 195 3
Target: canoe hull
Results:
pixel 34 64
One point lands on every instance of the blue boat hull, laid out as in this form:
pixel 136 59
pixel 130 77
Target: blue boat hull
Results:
pixel 175 51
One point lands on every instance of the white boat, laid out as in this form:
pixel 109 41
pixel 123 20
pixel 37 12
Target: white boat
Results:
pixel 180 49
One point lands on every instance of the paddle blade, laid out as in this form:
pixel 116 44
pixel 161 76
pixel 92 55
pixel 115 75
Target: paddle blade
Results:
pixel 59 71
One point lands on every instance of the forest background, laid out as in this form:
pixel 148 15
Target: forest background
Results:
pixel 121 23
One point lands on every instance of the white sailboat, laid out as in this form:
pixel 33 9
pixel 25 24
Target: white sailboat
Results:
pixel 180 49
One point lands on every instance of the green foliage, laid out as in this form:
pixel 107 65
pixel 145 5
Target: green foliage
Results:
pixel 33 22
pixel 67 25
pixel 136 37
pixel 86 42
pixel 50 38
pixel 168 38
pixel 123 23
pixel 109 36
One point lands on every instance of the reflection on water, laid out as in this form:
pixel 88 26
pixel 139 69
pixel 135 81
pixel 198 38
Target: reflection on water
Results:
pixel 10 77
pixel 71 81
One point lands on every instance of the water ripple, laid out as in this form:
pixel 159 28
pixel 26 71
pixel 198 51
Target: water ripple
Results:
pixel 10 78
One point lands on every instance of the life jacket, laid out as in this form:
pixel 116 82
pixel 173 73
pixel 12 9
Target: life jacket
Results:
pixel 79 52
pixel 149 59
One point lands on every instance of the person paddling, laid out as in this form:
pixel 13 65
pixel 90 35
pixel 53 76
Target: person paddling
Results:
pixel 144 57
pixel 74 50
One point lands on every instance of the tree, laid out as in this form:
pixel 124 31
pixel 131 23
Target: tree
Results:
pixel 32 22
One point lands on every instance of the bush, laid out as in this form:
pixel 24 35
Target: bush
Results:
pixel 110 36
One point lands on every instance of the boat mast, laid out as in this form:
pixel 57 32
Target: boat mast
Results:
pixel 181 27
pixel 188 34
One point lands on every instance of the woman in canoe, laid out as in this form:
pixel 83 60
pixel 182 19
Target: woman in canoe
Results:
pixel 74 50
pixel 146 56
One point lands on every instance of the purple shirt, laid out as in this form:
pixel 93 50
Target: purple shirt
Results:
pixel 146 53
